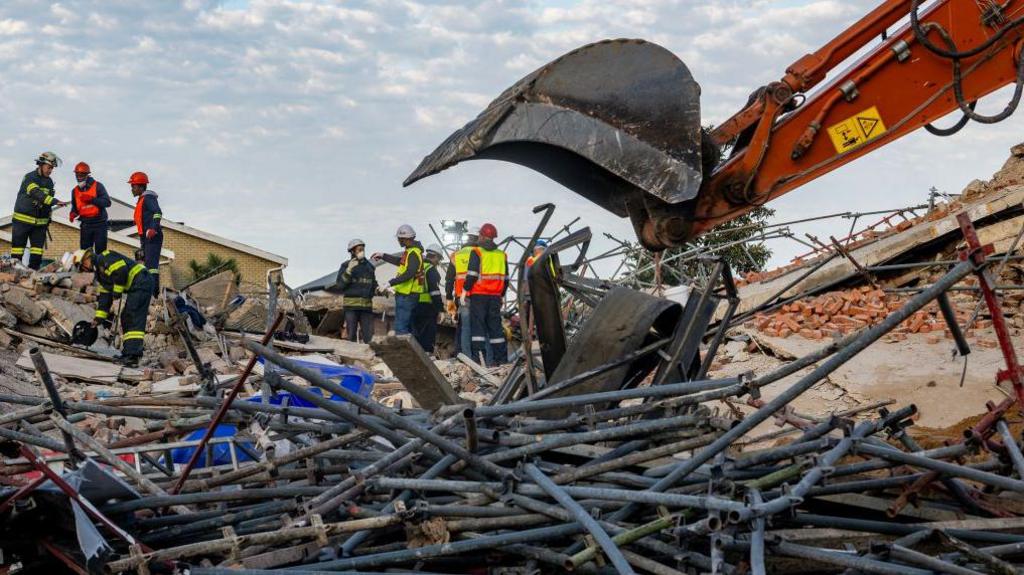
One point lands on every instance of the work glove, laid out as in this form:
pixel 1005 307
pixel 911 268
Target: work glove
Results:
pixel 389 291
pixel 150 233
pixel 72 216
pixel 352 264
pixel 462 300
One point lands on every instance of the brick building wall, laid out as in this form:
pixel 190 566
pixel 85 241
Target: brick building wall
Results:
pixel 186 248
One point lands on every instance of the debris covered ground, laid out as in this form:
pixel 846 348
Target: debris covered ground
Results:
pixel 825 427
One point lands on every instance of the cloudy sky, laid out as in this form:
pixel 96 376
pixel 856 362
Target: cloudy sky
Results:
pixel 290 124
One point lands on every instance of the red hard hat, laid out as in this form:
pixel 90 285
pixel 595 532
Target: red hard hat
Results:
pixel 488 231
pixel 138 178
pixel 82 168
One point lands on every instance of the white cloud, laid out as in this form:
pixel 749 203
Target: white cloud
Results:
pixel 11 27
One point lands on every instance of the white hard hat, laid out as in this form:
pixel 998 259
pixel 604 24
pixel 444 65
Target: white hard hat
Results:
pixel 49 158
pixel 356 242
pixel 405 231
pixel 434 248
pixel 79 255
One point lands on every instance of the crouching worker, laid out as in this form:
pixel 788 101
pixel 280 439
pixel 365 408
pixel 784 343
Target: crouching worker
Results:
pixel 117 274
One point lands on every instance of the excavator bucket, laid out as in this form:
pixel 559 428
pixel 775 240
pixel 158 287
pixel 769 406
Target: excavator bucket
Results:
pixel 608 121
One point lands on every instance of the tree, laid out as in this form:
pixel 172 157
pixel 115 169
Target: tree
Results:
pixel 735 241
pixel 213 265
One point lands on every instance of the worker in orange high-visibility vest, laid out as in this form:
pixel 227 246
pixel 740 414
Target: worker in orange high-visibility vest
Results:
pixel 89 203
pixel 486 283
pixel 454 287
pixel 148 219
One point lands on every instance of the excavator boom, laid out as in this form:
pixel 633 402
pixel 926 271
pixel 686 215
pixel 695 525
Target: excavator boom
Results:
pixel 619 121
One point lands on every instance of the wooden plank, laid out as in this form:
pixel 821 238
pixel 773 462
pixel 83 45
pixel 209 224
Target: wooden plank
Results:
pixel 479 370
pixel 414 368
pixel 80 368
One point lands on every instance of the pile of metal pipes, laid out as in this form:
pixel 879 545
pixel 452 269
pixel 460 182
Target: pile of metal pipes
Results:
pixel 640 480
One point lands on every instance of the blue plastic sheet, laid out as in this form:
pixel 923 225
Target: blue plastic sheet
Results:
pixel 351 378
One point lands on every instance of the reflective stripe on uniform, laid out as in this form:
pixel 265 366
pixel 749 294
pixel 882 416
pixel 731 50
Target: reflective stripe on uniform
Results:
pixel 134 335
pixel 472 273
pixel 153 270
pixel 115 266
pixel 27 219
pixel 437 293
pixel 461 262
pixel 492 279
pixel 48 200
pixel 101 314
pixel 36 251
pixel 101 289
pixel 497 340
pixel 118 288
pixel 478 338
pixel 157 216
pixel 134 272
pixel 17 251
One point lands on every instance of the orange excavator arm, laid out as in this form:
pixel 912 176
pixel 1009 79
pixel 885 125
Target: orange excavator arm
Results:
pixel 899 87
pixel 619 121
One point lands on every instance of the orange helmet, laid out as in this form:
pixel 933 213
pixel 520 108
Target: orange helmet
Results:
pixel 488 231
pixel 139 178
pixel 82 168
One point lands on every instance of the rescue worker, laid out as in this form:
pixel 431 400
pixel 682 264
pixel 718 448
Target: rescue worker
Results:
pixel 430 306
pixel 147 221
pixel 486 283
pixel 32 208
pixel 538 249
pixel 117 274
pixel 454 284
pixel 409 283
pixel 89 203
pixel 357 281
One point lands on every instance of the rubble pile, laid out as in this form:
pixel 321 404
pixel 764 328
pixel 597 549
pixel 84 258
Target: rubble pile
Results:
pixel 246 443
pixel 838 313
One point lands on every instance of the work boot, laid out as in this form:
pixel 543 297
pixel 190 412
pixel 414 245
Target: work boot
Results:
pixel 127 360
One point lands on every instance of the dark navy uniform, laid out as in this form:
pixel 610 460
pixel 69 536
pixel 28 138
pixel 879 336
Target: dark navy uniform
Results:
pixel 118 274
pixel 31 217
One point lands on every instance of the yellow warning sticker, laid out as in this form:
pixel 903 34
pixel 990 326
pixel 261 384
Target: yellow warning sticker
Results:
pixel 856 130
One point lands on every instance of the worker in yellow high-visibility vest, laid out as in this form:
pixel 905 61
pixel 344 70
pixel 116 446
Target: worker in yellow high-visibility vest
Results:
pixel 409 283
pixel 454 287
pixel 430 306
pixel 486 283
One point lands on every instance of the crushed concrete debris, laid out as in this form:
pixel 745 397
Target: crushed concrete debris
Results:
pixel 336 455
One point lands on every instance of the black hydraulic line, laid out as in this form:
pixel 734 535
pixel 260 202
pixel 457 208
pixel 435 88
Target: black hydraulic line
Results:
pixel 959 125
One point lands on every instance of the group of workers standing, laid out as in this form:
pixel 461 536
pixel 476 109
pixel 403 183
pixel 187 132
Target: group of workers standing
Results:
pixel 136 278
pixel 475 286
